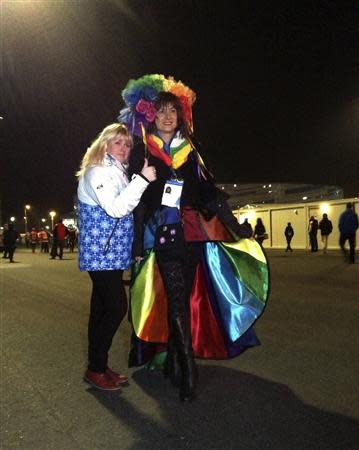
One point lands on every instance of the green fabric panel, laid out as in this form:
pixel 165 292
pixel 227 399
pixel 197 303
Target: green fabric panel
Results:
pixel 253 273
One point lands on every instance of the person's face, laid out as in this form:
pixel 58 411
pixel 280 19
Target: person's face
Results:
pixel 119 147
pixel 166 120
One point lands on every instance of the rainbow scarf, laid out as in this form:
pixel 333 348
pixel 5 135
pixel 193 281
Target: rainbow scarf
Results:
pixel 179 150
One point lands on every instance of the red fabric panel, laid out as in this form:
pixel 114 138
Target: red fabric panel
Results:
pixel 191 225
pixel 207 338
pixel 196 228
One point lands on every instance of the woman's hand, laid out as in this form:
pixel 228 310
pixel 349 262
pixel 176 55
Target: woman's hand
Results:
pixel 148 172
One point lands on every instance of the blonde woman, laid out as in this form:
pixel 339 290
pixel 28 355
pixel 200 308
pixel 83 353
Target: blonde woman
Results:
pixel 106 199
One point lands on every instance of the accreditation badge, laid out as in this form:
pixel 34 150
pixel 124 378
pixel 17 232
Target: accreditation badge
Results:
pixel 172 193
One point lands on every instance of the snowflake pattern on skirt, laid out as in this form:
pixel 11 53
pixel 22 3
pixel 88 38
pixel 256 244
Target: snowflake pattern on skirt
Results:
pixel 95 227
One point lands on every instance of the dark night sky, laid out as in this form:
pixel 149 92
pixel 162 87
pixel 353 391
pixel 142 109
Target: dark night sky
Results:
pixel 277 87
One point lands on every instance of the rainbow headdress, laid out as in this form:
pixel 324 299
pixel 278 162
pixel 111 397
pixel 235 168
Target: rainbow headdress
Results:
pixel 140 95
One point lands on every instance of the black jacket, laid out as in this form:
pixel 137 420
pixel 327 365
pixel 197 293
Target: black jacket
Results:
pixel 10 237
pixel 259 230
pixel 289 232
pixel 313 227
pixel 198 192
pixel 325 227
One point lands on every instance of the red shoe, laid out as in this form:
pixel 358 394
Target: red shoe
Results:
pixel 116 377
pixel 101 381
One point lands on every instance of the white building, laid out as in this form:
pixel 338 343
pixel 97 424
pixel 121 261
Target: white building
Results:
pixel 276 216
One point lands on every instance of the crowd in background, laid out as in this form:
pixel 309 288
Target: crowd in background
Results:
pixel 39 240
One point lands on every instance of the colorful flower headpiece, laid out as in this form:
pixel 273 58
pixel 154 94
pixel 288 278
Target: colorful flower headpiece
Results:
pixel 141 94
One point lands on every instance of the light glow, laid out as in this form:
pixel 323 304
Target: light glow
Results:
pixel 324 208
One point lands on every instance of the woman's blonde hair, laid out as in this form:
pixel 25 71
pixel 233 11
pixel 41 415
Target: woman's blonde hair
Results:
pixel 95 154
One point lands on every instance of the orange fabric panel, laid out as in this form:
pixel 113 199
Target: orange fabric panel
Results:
pixel 196 228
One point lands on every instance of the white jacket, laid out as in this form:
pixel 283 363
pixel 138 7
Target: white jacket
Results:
pixel 106 200
pixel 108 187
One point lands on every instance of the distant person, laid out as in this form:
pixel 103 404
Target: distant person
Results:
pixel 289 233
pixel 1 240
pixel 260 232
pixel 325 227
pixel 10 238
pixel 313 231
pixel 348 224
pixel 33 239
pixel 59 238
pixel 5 253
pixel 248 226
pixel 71 238
pixel 43 240
pixel 27 239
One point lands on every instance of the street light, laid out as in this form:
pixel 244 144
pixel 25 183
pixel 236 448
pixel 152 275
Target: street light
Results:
pixel 52 214
pixel 26 208
pixel 12 219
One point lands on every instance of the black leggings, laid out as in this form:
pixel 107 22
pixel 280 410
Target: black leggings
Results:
pixel 178 276
pixel 108 308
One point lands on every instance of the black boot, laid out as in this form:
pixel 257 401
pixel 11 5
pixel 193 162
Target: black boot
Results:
pixel 183 343
pixel 189 379
pixel 172 368
pixel 180 363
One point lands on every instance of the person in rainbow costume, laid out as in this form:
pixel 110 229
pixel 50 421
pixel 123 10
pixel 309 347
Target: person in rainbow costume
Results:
pixel 199 283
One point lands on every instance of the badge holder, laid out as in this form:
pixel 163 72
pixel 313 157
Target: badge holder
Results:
pixel 172 192
pixel 170 238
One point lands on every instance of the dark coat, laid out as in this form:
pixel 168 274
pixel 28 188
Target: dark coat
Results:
pixel 289 232
pixel 313 227
pixel 10 237
pixel 325 227
pixel 348 222
pixel 259 230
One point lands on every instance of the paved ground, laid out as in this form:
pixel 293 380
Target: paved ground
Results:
pixel 299 390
